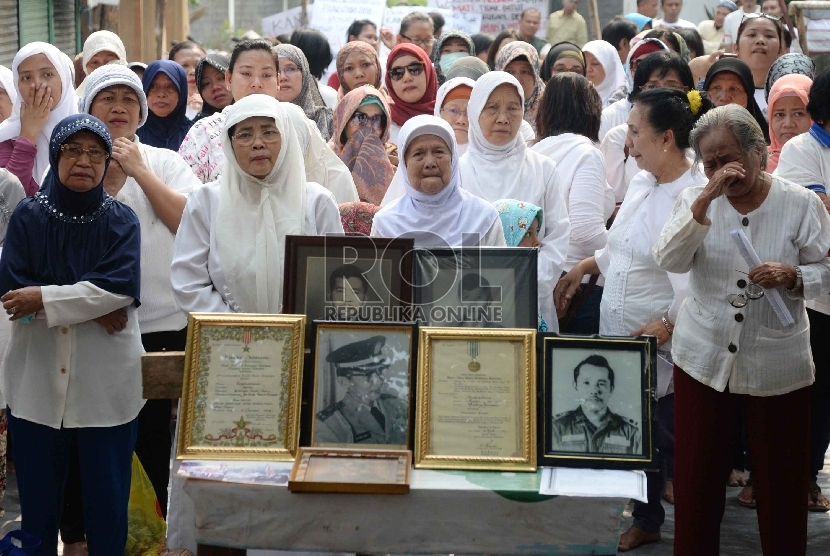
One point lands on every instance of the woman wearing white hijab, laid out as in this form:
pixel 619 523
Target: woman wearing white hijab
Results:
pixel 321 164
pixel 8 94
pixel 434 210
pixel 230 247
pixel 451 106
pixel 24 137
pixel 604 69
pixel 499 165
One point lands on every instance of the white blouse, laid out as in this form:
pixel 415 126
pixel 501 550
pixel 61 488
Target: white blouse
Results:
pixel 589 198
pixel 614 115
pixel 620 169
pixel 493 238
pixel 199 285
pixel 746 349
pixel 158 311
pixel 64 369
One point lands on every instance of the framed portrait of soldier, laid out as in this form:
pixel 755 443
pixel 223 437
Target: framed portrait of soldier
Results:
pixel 362 385
pixel 348 279
pixel 598 402
pixel 490 287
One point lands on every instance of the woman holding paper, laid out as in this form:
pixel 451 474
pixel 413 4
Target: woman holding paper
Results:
pixel 732 352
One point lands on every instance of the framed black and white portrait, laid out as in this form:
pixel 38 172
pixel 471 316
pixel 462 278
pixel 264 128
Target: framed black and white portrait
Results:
pixel 598 405
pixel 348 279
pixel 362 385
pixel 476 287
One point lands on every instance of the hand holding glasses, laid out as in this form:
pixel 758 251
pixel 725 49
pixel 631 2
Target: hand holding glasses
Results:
pixel 752 292
pixel 414 69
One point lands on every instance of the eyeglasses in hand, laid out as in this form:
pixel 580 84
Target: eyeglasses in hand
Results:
pixel 739 300
pixel 74 152
pixel 414 69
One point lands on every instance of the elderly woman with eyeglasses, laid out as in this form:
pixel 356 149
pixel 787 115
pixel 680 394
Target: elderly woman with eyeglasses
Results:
pixel 733 355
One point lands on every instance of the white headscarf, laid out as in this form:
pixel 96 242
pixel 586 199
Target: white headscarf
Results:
pixel 443 91
pixel 254 215
pixel 511 171
pixel 438 220
pixel 614 71
pixel 66 106
pixel 103 41
pixel 7 83
pixel 321 164
pixel 11 193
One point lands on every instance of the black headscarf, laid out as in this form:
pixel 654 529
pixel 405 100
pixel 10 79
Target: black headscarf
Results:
pixel 436 51
pixel 167 132
pixel 562 49
pixel 61 237
pixel 220 63
pixel 739 68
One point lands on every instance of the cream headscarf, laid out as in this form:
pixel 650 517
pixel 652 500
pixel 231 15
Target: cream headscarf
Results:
pixel 321 164
pixel 66 106
pixel 7 83
pixel 614 71
pixel 254 215
pixel 104 41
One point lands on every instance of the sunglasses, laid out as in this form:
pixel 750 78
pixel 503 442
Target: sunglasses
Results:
pixel 414 69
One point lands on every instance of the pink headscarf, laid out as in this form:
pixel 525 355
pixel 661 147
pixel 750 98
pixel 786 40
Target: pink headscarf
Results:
pixel 793 85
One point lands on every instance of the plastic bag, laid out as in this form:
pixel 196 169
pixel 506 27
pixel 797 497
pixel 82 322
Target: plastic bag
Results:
pixel 18 543
pixel 147 530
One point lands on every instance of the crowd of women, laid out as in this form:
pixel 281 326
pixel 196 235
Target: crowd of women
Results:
pixel 132 195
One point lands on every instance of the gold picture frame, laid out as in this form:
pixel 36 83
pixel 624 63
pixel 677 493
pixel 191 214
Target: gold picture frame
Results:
pixel 225 418
pixel 474 414
pixel 354 471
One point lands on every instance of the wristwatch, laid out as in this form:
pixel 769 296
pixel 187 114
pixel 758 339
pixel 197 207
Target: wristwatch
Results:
pixel 799 280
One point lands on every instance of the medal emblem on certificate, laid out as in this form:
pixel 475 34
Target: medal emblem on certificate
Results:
pixel 472 351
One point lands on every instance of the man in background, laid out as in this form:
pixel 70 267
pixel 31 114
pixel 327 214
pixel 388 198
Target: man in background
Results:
pixel 711 30
pixel 619 32
pixel 733 21
pixel 567 25
pixel 529 25
pixel 671 16
pixel 647 8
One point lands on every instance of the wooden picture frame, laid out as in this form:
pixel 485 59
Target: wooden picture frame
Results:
pixel 372 279
pixel 351 471
pixel 241 391
pixel 363 374
pixel 476 287
pixel 476 402
pixel 598 402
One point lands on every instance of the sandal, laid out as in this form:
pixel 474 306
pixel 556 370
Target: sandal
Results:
pixel 817 502
pixel 747 501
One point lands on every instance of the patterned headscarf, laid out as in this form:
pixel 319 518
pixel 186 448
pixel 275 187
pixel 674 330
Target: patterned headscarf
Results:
pixel 436 51
pixel 519 49
pixel 364 153
pixel 309 98
pixel 516 218
pixel 357 218
pixel 363 48
pixel 789 64
pixel 220 63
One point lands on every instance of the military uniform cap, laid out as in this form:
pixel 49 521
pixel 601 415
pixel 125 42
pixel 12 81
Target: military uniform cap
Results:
pixel 360 358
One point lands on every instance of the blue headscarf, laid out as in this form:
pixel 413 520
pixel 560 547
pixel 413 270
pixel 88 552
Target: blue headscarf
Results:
pixel 639 20
pixel 516 218
pixel 167 132
pixel 61 237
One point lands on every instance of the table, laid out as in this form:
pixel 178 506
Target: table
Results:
pixel 459 512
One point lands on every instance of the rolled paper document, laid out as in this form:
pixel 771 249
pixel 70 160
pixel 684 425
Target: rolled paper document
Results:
pixel 752 260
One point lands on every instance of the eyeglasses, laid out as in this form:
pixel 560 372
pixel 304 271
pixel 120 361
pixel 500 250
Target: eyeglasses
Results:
pixel 740 300
pixel 455 113
pixel 247 138
pixel 288 72
pixel 359 119
pixel 74 152
pixel 414 69
pixel 421 42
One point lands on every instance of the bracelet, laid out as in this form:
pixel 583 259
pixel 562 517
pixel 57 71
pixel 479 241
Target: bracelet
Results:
pixel 669 326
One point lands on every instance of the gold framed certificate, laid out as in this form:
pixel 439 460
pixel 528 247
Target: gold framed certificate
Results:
pixel 241 391
pixel 476 402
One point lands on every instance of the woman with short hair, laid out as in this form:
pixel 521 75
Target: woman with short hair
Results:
pixel 733 354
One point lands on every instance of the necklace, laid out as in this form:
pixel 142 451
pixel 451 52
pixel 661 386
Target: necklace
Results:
pixel 84 219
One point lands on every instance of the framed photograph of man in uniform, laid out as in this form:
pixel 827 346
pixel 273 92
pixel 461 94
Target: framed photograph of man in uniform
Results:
pixel 490 287
pixel 476 399
pixel 598 399
pixel 348 278
pixel 362 385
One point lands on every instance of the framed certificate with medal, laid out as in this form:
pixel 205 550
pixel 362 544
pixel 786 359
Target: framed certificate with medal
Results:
pixel 241 391
pixel 476 399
